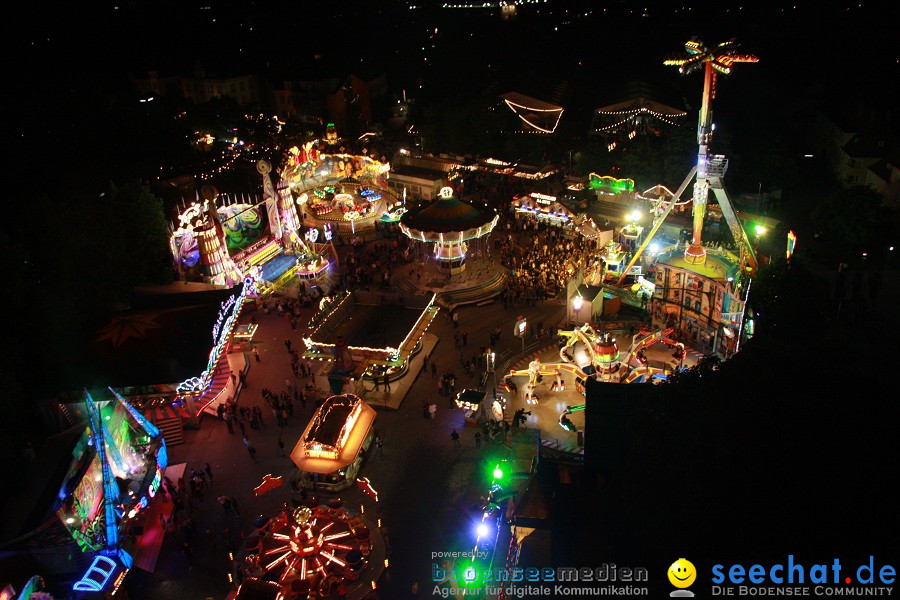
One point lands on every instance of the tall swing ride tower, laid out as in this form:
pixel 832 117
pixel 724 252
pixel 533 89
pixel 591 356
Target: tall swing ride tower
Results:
pixel 711 167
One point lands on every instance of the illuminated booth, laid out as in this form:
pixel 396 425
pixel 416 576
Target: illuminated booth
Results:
pixel 367 334
pixel 543 208
pixel 333 442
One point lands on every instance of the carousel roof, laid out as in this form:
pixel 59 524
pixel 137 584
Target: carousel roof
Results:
pixel 447 214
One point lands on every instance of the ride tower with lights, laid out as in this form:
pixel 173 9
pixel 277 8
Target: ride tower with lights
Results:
pixel 711 167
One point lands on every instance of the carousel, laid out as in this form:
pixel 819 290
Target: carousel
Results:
pixel 306 552
pixel 338 194
pixel 450 224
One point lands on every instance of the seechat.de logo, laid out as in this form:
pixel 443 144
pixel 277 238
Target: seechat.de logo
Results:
pixel 681 575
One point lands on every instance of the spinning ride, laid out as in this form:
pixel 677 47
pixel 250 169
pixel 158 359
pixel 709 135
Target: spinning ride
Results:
pixel 340 194
pixel 711 168
pixel 308 551
pixel 449 223
pixel 589 354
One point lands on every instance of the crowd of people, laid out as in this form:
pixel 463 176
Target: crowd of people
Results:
pixel 373 264
pixel 541 263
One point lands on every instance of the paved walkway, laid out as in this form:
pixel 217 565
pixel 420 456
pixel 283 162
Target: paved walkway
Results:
pixel 429 490
pixel 380 398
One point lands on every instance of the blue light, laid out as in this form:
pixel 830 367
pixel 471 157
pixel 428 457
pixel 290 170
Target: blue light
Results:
pixel 483 530
pixel 97 575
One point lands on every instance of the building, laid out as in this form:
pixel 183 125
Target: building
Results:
pixel 345 101
pixel 859 148
pixel 702 302
pixel 245 89
pixel 302 100
pixel 632 110
pixel 421 176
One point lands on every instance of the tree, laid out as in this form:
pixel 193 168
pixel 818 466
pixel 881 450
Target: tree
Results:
pixel 767 446
pixel 850 218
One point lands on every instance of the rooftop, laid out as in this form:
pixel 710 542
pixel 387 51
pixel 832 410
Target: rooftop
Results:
pixel 871 144
pixel 371 326
pixel 716 266
pixel 447 215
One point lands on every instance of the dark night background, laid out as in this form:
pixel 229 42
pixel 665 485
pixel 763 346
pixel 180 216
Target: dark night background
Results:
pixel 789 447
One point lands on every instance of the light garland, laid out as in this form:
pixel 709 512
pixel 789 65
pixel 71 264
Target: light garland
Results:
pixel 537 127
pixel 222 328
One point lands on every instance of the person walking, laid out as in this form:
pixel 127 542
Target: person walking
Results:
pixel 387 382
pixel 208 470
pixel 256 354
pixel 454 437
pixel 250 449
pixel 432 410
pixel 228 422
pixel 379 446
pixel 188 553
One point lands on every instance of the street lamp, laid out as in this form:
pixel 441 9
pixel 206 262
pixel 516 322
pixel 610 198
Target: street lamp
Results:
pixel 760 231
pixel 520 329
pixel 577 305
pixel 577 302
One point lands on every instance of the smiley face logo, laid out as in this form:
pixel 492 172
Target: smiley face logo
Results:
pixel 682 573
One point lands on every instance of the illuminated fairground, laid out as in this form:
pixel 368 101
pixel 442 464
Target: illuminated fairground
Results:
pixel 548 209
pixel 366 335
pixel 450 225
pixel 696 293
pixel 226 238
pixel 310 550
pixel 339 194
pixel 589 354
pixel 111 486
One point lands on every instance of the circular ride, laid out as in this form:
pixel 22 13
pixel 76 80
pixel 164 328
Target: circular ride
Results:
pixel 340 194
pixel 307 551
pixel 589 354
pixel 449 223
